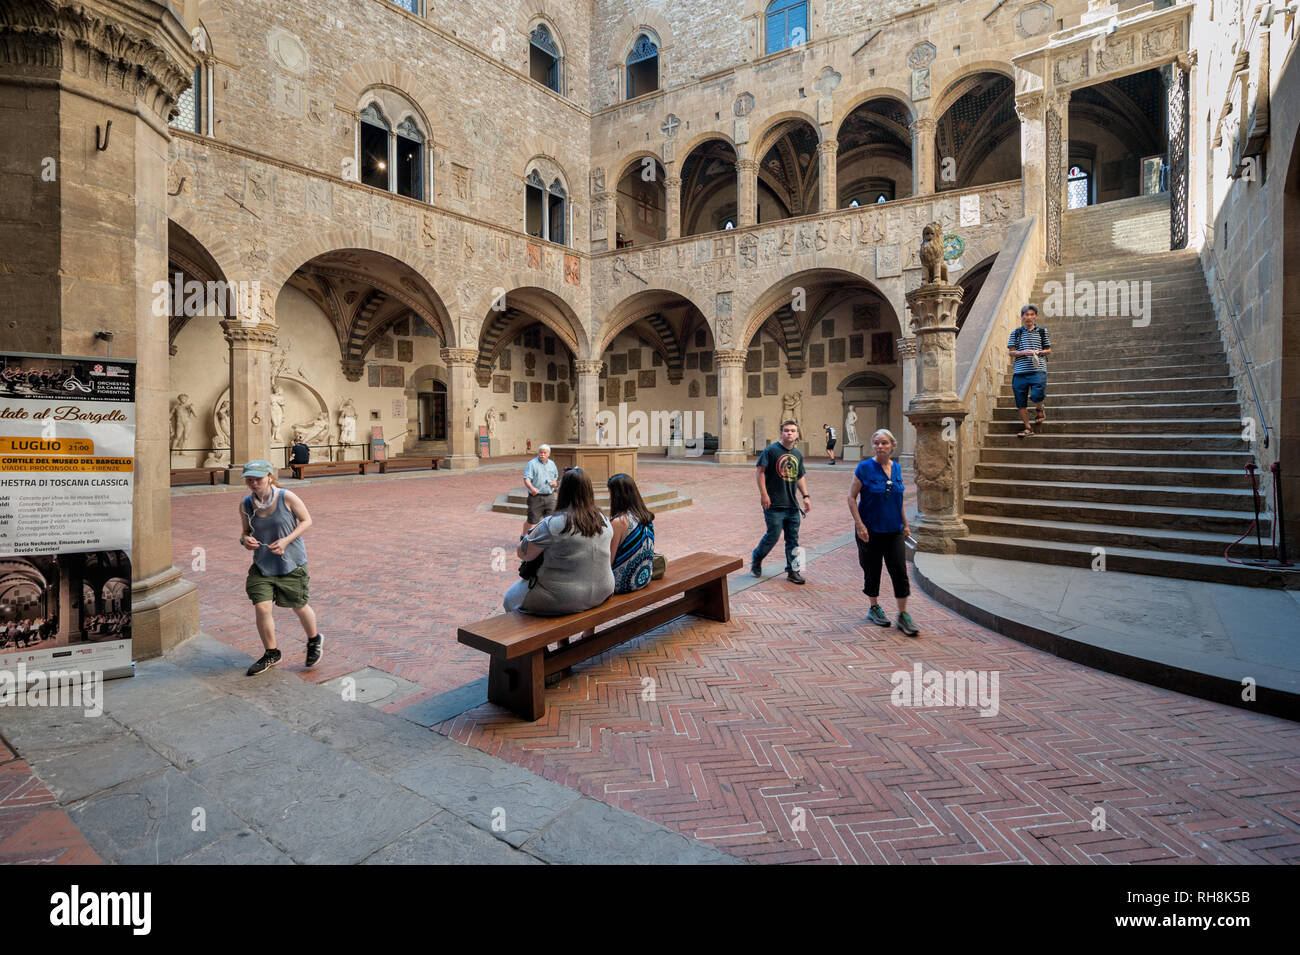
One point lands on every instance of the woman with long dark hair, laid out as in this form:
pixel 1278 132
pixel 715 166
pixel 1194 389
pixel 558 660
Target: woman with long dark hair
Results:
pixel 634 535
pixel 575 544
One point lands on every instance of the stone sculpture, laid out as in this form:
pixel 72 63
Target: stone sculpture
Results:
pixel 934 268
pixel 851 427
pixel 182 412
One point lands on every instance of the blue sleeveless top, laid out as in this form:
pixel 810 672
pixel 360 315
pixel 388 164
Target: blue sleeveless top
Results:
pixel 279 523
pixel 634 561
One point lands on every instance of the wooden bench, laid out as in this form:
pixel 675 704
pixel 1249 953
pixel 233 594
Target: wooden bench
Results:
pixel 182 476
pixel 407 464
pixel 330 467
pixel 517 643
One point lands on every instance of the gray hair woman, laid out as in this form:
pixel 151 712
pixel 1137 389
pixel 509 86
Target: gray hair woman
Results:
pixel 876 503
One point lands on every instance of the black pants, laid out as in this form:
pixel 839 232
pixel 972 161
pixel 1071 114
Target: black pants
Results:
pixel 888 547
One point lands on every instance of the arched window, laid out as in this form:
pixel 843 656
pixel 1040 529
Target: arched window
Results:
pixel 1077 188
pixel 643 66
pixel 545 63
pixel 546 209
pixel 787 24
pixel 194 106
pixel 391 157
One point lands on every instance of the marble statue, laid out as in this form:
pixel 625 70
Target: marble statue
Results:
pixel 347 422
pixel 277 414
pixel 792 406
pixel 221 420
pixel 675 427
pixel 182 412
pixel 851 427
pixel 573 420
pixel 490 419
pixel 313 432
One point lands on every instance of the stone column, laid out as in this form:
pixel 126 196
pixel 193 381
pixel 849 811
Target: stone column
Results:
pixel 907 358
pixel 936 412
pixel 746 192
pixel 828 151
pixel 1033 146
pixel 673 205
pixel 462 435
pixel 83 233
pixel 251 340
pixel 922 130
pixel 731 397
pixel 588 399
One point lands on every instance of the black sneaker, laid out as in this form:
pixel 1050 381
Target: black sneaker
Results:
pixel 313 650
pixel 269 659
pixel 756 568
pixel 794 577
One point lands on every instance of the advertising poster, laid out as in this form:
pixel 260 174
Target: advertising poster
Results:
pixel 67 446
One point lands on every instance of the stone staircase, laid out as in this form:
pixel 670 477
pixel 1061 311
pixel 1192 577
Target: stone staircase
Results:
pixel 1142 454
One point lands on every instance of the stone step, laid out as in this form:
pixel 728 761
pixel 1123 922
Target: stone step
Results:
pixel 1088 328
pixel 1125 514
pixel 1227 499
pixel 1010 424
pixel 1005 410
pixel 1169 477
pixel 658 497
pixel 1105 385
pixel 1030 453
pixel 1213 569
pixel 1112 442
pixel 1131 341
pixel 1218 369
pixel 1163 540
pixel 1137 362
pixel 1061 398
pixel 1153 353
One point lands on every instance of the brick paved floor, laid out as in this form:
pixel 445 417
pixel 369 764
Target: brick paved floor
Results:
pixel 33 829
pixel 774 737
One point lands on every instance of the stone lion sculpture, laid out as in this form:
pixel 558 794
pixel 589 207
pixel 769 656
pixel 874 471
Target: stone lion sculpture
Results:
pixel 934 268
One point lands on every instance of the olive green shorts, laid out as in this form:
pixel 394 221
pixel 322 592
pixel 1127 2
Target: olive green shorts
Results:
pixel 289 590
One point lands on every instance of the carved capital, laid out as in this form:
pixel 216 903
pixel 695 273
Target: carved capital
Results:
pixel 353 368
pixel 1059 101
pixel 150 59
pixel 673 183
pixel 829 146
pixel 747 166
pixel 587 367
pixel 245 334
pixel 458 356
pixel 1185 61
pixel 1029 105
pixel 731 359
pixel 922 126
pixel 905 348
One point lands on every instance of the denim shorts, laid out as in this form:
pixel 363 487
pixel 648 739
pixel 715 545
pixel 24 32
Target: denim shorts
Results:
pixel 1029 386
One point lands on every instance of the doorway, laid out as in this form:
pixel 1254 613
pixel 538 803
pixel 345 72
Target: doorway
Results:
pixel 433 411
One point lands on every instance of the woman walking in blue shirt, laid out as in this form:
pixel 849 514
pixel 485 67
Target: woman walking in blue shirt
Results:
pixel 876 503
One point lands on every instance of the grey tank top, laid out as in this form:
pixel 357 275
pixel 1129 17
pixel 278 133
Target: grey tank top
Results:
pixel 279 523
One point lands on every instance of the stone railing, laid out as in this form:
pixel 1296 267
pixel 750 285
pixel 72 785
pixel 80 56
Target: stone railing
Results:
pixel 981 346
pixel 881 243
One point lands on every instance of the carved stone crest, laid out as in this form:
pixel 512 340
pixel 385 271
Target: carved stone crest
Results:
pixel 744 104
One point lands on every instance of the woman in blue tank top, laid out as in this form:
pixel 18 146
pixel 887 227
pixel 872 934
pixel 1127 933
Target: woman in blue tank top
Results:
pixel 274 521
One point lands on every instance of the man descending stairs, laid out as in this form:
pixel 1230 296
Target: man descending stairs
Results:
pixel 1141 465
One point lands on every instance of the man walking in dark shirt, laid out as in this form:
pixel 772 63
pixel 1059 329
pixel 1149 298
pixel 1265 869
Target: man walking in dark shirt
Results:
pixel 784 496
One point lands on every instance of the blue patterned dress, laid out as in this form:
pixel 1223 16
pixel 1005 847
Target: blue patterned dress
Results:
pixel 635 558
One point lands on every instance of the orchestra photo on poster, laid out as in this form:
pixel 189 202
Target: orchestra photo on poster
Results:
pixel 64 601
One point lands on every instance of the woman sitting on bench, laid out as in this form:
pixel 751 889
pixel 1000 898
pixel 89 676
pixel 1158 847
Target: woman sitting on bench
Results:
pixel 575 574
pixel 633 547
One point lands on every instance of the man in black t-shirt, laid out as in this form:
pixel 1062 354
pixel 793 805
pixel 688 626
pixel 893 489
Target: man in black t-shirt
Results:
pixel 301 454
pixel 784 496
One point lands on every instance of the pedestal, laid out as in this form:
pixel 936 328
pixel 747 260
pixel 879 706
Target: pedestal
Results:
pixel 852 452
pixel 598 460
pixel 676 450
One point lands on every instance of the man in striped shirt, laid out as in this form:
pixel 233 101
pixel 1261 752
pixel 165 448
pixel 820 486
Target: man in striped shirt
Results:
pixel 1027 344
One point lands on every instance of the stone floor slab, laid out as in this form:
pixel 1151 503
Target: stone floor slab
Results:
pixel 244 847
pixel 592 833
pixel 76 775
pixel 156 689
pixel 191 735
pixel 446 839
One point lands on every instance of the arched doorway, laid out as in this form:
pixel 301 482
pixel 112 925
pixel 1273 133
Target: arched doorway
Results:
pixel 977 139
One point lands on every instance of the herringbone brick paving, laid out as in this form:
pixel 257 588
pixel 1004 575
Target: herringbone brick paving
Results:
pixel 774 737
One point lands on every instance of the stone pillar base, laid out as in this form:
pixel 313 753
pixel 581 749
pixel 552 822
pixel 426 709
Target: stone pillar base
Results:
pixel 731 457
pixel 676 450
pixel 461 462
pixel 164 613
pixel 851 452
pixel 934 534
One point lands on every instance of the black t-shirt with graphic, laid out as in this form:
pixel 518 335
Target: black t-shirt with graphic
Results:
pixel 781 470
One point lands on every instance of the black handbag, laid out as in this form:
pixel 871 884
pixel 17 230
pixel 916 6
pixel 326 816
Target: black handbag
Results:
pixel 529 570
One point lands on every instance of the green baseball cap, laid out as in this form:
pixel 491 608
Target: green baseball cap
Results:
pixel 257 469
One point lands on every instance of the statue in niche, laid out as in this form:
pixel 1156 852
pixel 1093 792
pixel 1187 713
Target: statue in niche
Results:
pixel 851 427
pixel 220 455
pixel 182 412
pixel 675 428
pixel 490 419
pixel 792 406
pixel 347 422
pixel 313 432
pixel 277 414
pixel 573 420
